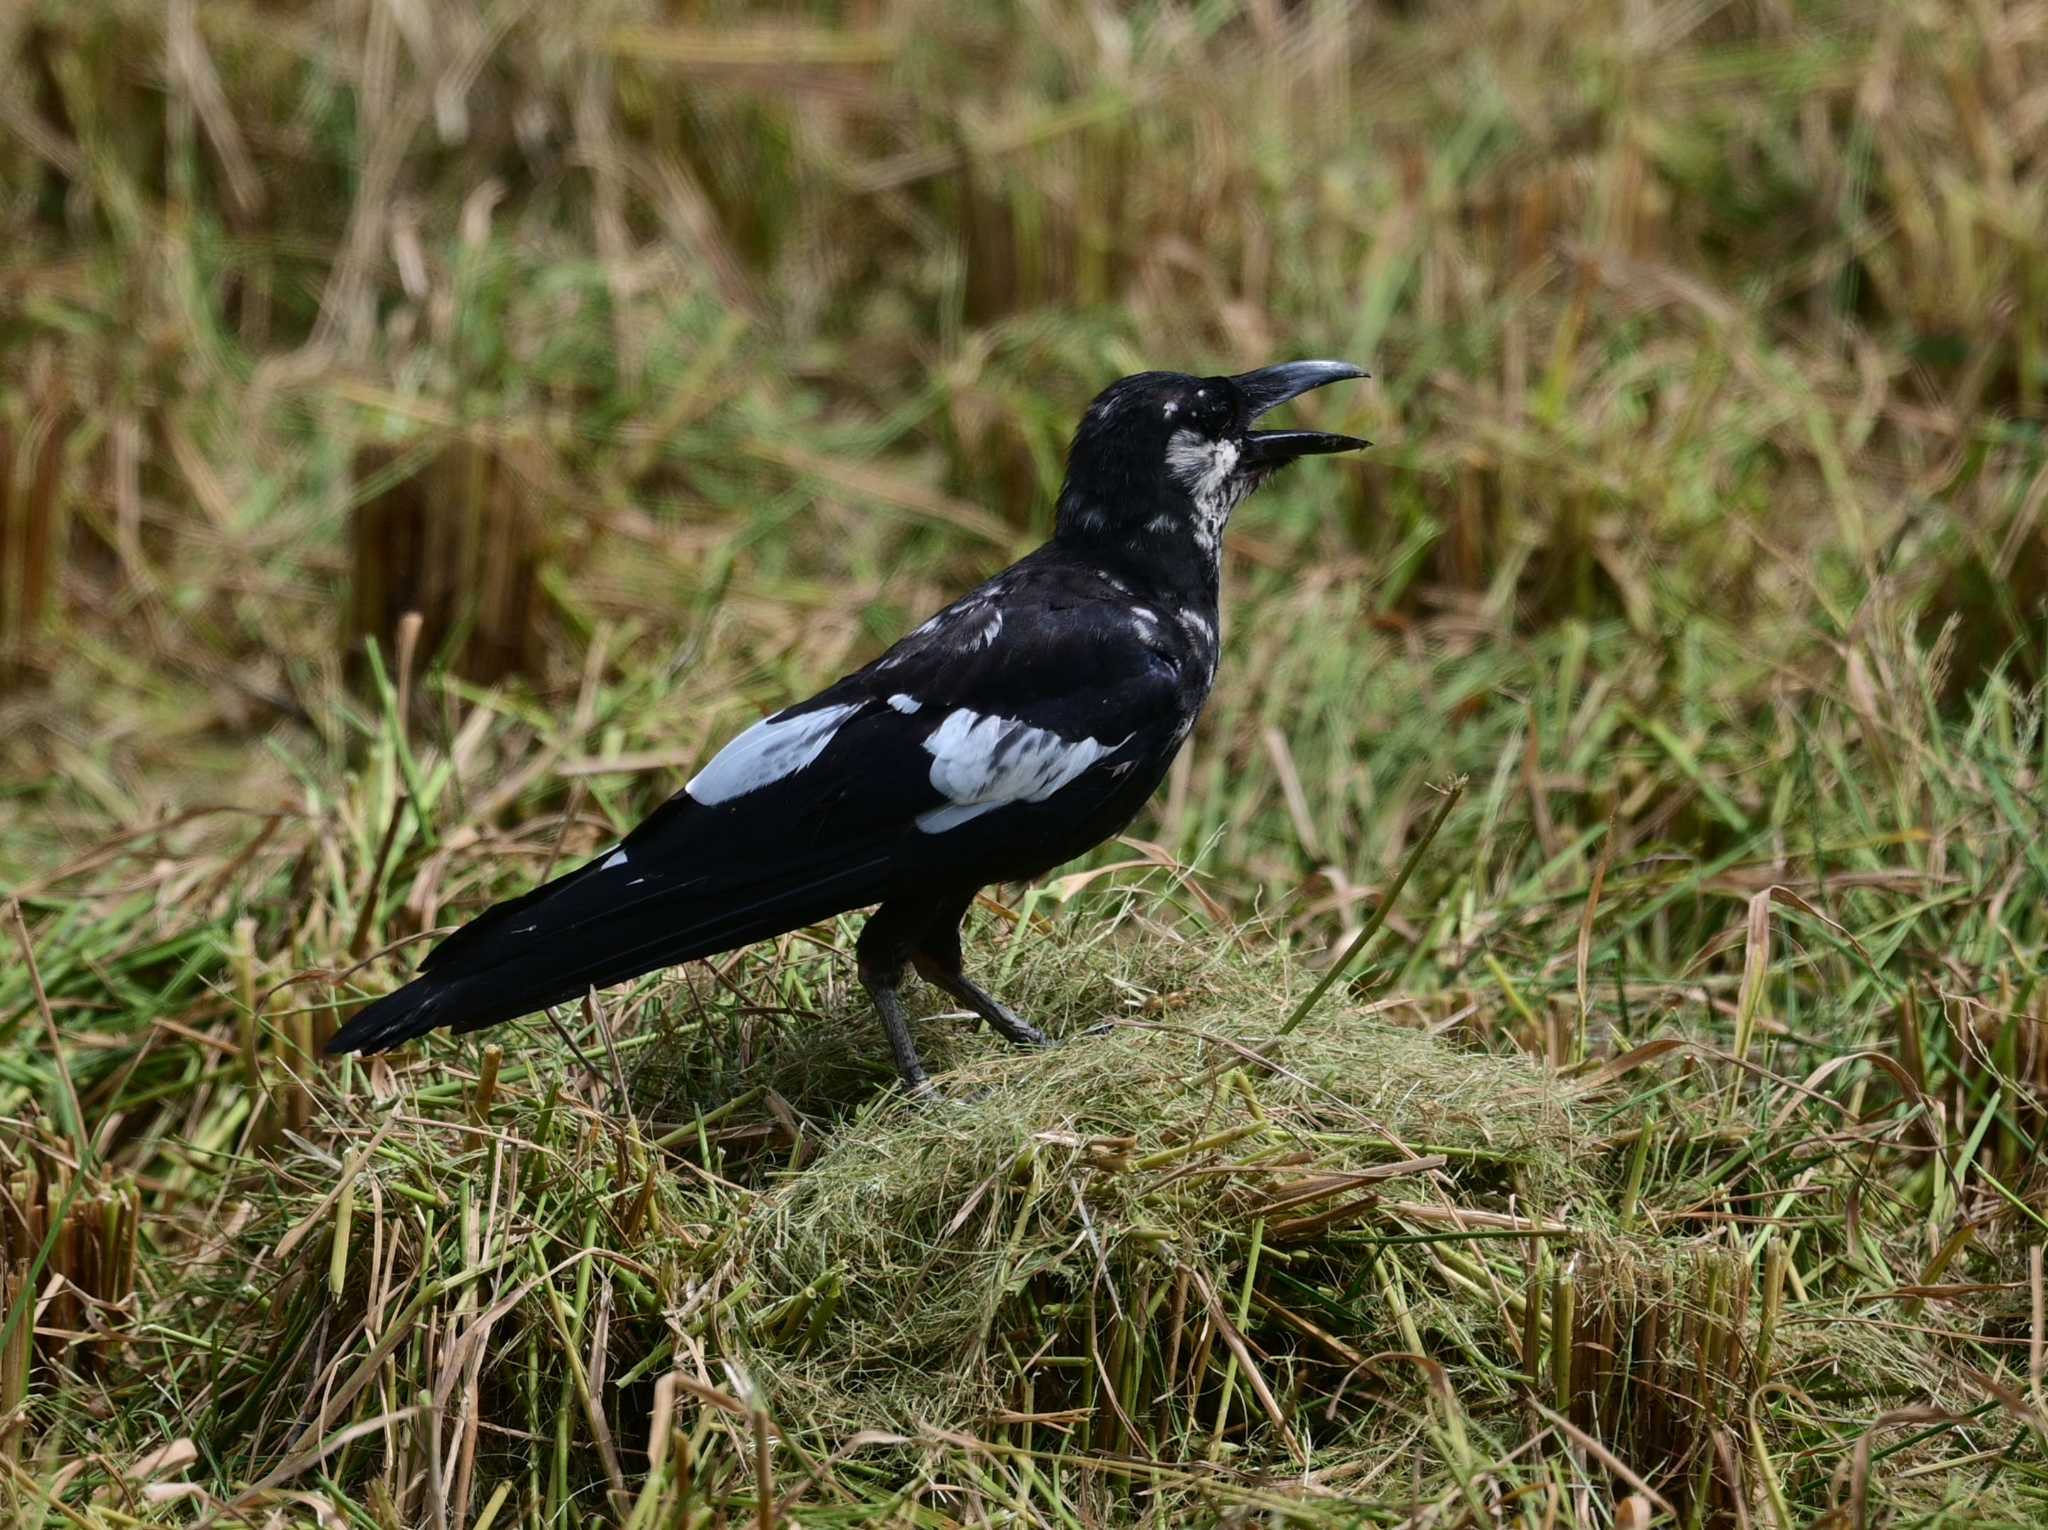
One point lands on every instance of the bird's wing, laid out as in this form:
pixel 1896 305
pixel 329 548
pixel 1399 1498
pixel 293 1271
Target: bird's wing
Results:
pixel 817 810
pixel 1019 701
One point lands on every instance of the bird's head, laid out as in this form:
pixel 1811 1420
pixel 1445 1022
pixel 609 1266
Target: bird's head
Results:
pixel 1162 458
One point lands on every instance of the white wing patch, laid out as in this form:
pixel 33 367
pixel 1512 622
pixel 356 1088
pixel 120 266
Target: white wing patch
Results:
pixel 905 704
pixel 616 858
pixel 981 762
pixel 774 748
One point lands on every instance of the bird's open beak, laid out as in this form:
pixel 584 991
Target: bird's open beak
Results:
pixel 1269 388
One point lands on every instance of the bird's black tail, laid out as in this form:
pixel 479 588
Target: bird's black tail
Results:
pixel 436 1000
pixel 624 914
pixel 399 1016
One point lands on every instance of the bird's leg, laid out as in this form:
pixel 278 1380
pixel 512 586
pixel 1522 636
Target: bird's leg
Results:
pixel 881 953
pixel 1002 1019
pixel 882 989
pixel 937 956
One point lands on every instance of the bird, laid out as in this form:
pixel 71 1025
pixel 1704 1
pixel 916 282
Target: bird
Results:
pixel 1016 729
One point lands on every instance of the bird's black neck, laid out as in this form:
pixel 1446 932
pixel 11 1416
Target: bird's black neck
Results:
pixel 1154 551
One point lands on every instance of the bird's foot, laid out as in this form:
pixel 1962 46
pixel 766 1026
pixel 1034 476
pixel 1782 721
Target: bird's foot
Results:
pixel 944 973
pixel 1005 1021
pixel 1001 1019
pixel 1020 1032
pixel 1009 1026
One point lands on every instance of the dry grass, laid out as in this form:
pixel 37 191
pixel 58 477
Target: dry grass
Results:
pixel 668 359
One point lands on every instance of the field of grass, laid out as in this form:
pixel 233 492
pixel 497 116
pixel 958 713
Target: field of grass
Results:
pixel 1671 1154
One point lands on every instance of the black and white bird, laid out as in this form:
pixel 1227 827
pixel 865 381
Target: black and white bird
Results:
pixel 1021 726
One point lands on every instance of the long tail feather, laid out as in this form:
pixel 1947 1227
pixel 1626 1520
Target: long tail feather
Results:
pixel 558 950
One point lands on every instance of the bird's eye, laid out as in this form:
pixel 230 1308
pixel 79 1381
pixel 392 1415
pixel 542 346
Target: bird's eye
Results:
pixel 1207 410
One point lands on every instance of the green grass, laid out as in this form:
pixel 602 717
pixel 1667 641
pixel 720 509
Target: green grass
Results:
pixel 1671 1155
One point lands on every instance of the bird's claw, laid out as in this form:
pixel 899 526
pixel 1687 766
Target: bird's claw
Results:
pixel 1006 1026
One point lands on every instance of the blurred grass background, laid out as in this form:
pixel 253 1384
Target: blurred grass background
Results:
pixel 665 360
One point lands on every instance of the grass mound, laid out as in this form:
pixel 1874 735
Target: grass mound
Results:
pixel 1201 1261
pixel 1115 1192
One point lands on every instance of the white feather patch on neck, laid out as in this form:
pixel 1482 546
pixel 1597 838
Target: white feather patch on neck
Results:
pixel 1208 471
